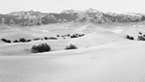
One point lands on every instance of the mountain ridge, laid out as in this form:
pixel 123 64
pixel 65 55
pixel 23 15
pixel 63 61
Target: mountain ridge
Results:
pixel 31 18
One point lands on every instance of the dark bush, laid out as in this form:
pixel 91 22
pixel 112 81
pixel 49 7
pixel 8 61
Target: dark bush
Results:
pixel 54 38
pixel 71 46
pixel 141 38
pixel 140 33
pixel 22 40
pixel 28 41
pixel 81 35
pixel 129 37
pixel 57 35
pixel 37 39
pixel 40 48
pixel 62 35
pixel 73 36
pixel 15 41
pixel 46 38
pixel 68 35
pixel 41 39
pixel 5 40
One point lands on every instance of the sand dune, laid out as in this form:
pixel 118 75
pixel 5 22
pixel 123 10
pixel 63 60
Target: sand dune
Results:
pixel 107 63
pixel 104 55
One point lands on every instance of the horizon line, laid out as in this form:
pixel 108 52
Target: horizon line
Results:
pixel 34 10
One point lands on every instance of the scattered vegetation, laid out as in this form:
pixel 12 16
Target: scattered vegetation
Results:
pixel 37 39
pixel 129 37
pixel 71 46
pixel 142 38
pixel 53 38
pixel 74 36
pixel 28 41
pixel 71 35
pixel 140 33
pixel 45 38
pixel 15 41
pixel 5 40
pixel 57 35
pixel 68 35
pixel 41 48
pixel 22 40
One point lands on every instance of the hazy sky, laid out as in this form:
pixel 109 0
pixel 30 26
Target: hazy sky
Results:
pixel 119 6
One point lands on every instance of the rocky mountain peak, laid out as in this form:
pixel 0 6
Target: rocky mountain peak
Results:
pixel 90 10
pixel 30 18
pixel 71 11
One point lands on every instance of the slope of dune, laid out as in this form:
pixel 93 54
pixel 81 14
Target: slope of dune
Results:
pixel 117 62
pixel 103 55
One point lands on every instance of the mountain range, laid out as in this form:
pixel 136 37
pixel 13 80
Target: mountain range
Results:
pixel 31 18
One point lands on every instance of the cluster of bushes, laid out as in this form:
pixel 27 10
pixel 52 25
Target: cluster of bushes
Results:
pixel 15 41
pixel 71 46
pixel 52 38
pixel 129 37
pixel 139 38
pixel 44 47
pixel 77 35
pixel 5 40
pixel 22 40
pixel 40 48
pixel 71 35
pixel 27 40
pixel 45 38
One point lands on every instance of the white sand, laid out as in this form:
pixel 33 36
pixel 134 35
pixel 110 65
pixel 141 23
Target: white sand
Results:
pixel 116 62
pixel 109 57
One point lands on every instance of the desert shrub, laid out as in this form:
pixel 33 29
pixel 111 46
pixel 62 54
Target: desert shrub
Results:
pixel 81 35
pixel 54 38
pixel 45 38
pixel 68 35
pixel 41 38
pixel 5 40
pixel 57 35
pixel 15 41
pixel 28 40
pixel 40 48
pixel 141 38
pixel 62 35
pixel 37 39
pixel 74 36
pixel 129 37
pixel 22 40
pixel 140 33
pixel 71 46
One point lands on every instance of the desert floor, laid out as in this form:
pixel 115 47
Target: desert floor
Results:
pixel 103 55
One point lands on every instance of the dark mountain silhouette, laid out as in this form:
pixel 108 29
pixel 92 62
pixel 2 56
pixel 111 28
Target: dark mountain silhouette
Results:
pixel 31 18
